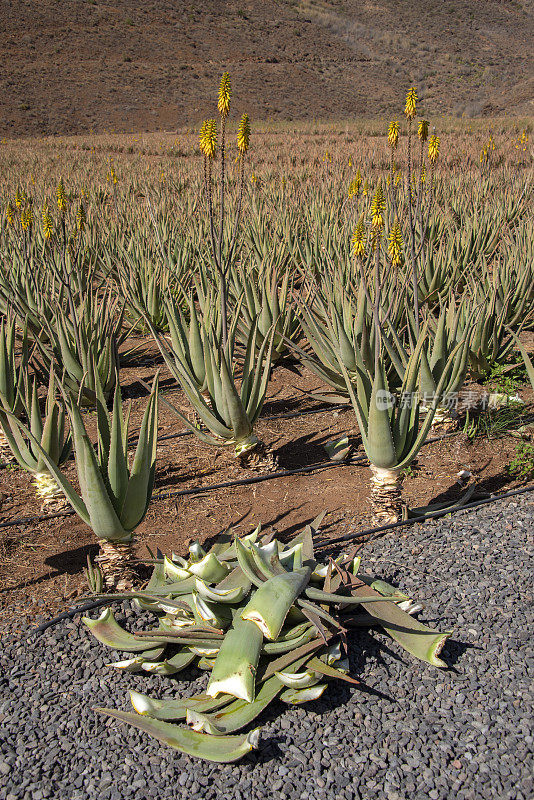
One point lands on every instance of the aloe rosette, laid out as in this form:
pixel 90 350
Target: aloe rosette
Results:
pixel 114 494
pixel 265 620
pixel 48 429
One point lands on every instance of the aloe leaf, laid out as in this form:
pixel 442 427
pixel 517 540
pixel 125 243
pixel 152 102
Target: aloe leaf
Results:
pixel 222 749
pixel 317 665
pixel 284 646
pixel 297 696
pixel 247 565
pixel 418 639
pixel 347 599
pixel 171 665
pixel 234 671
pixel 135 664
pixel 269 605
pixel 108 631
pixel 209 569
pixel 218 595
pixel 238 714
pixel 298 680
pixel 136 499
pixel 176 709
pixel 117 467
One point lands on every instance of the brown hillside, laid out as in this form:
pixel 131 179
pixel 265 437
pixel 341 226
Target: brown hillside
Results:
pixel 81 65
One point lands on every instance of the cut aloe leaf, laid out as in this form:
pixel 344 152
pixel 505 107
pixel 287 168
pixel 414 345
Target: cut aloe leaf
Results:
pixel 108 631
pixel 222 749
pixel 171 665
pixel 238 714
pixel 173 571
pixel 279 647
pixel 347 599
pixel 218 595
pixel 297 696
pixel 209 568
pixel 269 605
pixel 175 709
pixel 298 680
pixel 319 666
pixel 206 663
pixel 234 671
pixel 418 639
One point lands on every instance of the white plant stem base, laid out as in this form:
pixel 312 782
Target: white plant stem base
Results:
pixel 116 560
pixel 258 458
pixel 386 495
pixel 48 491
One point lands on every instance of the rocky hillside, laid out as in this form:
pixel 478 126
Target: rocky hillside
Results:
pixel 82 65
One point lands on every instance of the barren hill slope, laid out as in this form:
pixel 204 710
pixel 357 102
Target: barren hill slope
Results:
pixel 82 65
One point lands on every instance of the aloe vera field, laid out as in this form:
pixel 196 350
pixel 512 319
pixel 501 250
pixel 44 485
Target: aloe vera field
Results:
pixel 231 359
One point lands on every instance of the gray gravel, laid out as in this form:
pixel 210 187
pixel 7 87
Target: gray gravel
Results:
pixel 462 733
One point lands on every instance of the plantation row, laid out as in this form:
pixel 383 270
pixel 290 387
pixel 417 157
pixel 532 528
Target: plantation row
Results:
pixel 393 288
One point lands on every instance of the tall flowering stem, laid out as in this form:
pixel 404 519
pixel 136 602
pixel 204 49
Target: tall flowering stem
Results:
pixel 209 144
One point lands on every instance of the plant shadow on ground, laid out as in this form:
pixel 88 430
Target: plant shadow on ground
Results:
pixel 173 475
pixel 69 562
pixel 304 451
pixel 135 390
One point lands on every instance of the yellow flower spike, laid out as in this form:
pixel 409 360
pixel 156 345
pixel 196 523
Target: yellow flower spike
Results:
pixel 61 196
pixel 433 148
pixel 378 206
pixel 358 239
pixel 411 101
pixel 46 222
pixel 223 103
pixel 422 130
pixel 18 199
pixel 208 138
pixel 81 218
pixel 395 244
pixel 10 211
pixel 393 134
pixel 243 134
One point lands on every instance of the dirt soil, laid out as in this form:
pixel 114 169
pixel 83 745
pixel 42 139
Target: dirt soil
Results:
pixel 127 65
pixel 41 562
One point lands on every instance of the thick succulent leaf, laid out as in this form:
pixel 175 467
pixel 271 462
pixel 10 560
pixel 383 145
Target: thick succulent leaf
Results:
pixel 269 605
pixel 222 749
pixel 234 671
pixel 170 709
pixel 418 639
pixel 297 696
pixel 108 631
pixel 171 665
pixel 209 569
pixel 137 497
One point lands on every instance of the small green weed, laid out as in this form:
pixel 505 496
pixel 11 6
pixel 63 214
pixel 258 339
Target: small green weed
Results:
pixel 522 464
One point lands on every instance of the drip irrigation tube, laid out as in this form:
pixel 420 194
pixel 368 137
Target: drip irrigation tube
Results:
pixel 442 512
pixel 226 485
pixel 373 532
pixel 270 418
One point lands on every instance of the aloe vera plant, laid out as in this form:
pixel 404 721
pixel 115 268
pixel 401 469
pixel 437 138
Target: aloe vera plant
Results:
pixel 203 366
pixel 49 430
pixel 115 495
pixel 13 374
pixel 266 620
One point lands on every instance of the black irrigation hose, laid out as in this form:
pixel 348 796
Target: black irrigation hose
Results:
pixel 69 614
pixel 373 532
pixel 227 484
pixel 288 415
pixel 442 512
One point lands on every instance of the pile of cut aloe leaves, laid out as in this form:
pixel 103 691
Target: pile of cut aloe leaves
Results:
pixel 266 620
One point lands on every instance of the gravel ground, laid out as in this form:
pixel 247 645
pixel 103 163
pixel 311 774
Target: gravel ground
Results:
pixel 465 732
